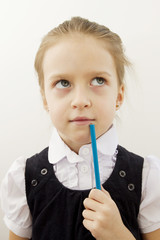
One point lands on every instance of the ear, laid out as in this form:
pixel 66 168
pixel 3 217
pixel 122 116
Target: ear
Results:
pixel 120 96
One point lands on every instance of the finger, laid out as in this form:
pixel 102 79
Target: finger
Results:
pixel 87 224
pixel 99 195
pixel 89 214
pixel 106 192
pixel 91 226
pixel 91 204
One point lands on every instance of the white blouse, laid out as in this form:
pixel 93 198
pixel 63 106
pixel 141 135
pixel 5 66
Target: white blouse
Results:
pixel 75 171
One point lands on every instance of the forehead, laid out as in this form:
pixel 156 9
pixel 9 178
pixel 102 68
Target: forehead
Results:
pixel 78 52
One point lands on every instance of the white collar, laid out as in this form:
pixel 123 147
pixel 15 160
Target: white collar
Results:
pixel 58 150
pixel 107 143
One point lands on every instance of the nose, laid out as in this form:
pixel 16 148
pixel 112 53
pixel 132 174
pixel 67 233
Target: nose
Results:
pixel 80 99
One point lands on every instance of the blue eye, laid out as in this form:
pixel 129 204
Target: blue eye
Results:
pixel 63 84
pixel 98 81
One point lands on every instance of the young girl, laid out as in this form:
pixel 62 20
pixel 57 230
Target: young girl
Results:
pixel 52 195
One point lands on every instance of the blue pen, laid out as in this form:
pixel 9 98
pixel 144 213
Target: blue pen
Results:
pixel 95 156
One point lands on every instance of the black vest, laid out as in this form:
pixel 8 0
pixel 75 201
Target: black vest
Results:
pixel 57 211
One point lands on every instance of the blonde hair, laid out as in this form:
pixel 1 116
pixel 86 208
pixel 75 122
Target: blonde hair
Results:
pixel 83 26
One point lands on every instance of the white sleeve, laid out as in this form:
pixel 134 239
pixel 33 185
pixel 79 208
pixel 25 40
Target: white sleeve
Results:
pixel 13 200
pixel 149 214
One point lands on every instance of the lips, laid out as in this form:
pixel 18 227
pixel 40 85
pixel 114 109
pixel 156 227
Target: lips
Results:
pixel 82 120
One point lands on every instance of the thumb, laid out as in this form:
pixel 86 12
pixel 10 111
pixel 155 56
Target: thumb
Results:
pixel 106 192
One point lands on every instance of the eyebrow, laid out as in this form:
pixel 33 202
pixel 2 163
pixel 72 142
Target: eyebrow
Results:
pixel 100 73
pixel 66 75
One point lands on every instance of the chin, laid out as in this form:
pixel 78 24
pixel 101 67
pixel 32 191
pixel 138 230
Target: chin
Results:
pixel 82 141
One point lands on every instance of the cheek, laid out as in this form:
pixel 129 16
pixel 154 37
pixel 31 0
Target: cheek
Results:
pixel 57 112
pixel 106 110
pixel 106 103
pixel 55 117
pixel 52 101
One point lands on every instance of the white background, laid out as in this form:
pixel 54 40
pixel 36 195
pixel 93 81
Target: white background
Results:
pixel 24 125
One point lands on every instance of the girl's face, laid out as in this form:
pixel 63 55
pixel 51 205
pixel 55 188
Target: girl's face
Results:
pixel 81 87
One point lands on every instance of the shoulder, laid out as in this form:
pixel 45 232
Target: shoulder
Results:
pixel 151 174
pixel 36 162
pixel 124 151
pixel 152 162
pixel 151 171
pixel 37 172
pixel 15 174
pixel 131 160
pixel 38 157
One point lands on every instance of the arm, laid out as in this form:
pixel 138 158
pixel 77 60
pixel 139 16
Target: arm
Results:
pixel 12 236
pixel 14 202
pixel 152 235
pixel 150 205
pixel 102 217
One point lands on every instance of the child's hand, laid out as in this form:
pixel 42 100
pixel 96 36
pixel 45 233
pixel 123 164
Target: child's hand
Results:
pixel 102 217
